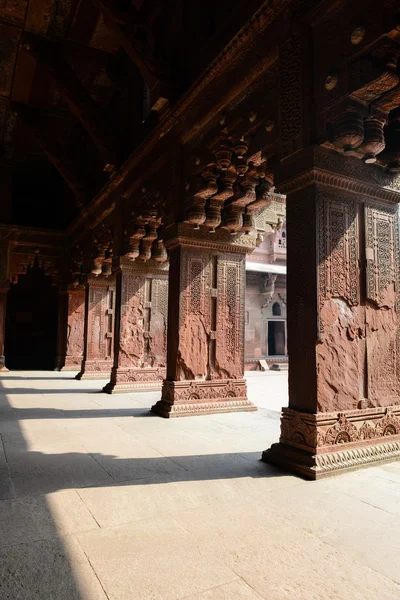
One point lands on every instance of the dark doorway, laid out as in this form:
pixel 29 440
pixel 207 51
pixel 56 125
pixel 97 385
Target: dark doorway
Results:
pixel 31 325
pixel 276 338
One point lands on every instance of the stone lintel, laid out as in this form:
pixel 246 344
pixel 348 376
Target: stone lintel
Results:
pixel 149 268
pixel 328 168
pixel 184 234
pixel 184 398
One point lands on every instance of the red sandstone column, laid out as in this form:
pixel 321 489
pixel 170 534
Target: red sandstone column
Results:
pixel 140 326
pixel 71 360
pixel 61 328
pixel 205 346
pixel 3 311
pixel 99 328
pixel 343 315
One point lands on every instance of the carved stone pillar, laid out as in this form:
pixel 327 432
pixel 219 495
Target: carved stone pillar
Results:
pixel 140 326
pixel 99 328
pixel 61 328
pixel 205 347
pixel 71 360
pixel 343 315
pixel 3 312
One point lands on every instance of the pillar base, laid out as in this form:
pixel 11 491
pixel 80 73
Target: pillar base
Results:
pixel 124 381
pixel 95 370
pixel 185 398
pixel 318 445
pixel 316 466
pixel 71 363
pixel 3 367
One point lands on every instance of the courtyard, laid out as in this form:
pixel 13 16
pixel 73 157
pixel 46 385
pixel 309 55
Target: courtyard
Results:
pixel 102 500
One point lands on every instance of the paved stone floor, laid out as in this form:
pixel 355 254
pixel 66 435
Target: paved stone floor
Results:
pixel 101 500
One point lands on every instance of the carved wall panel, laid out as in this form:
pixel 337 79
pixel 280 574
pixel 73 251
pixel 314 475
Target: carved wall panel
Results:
pixel 98 353
pixel 340 319
pixel 195 314
pixel 144 307
pixel 290 94
pixel 131 338
pixel 158 322
pixel 75 329
pixel 100 328
pixel 338 272
pixel 230 317
pixel 380 248
pixel 382 312
pixel 140 345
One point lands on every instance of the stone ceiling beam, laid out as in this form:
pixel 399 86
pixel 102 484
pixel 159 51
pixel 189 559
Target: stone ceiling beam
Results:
pixel 135 37
pixel 79 101
pixel 44 136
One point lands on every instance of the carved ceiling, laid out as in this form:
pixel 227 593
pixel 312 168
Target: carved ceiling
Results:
pixel 78 82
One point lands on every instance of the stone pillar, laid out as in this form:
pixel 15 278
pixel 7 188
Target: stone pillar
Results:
pixel 140 326
pixel 205 345
pixel 61 328
pixel 99 328
pixel 4 287
pixel 343 315
pixel 73 330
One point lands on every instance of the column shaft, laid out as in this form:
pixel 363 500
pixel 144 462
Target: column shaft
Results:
pixel 99 328
pixel 75 327
pixel 205 348
pixel 140 327
pixel 343 319
pixel 3 314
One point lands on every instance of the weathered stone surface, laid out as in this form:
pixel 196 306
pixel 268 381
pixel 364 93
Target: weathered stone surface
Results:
pixel 140 349
pixel 75 330
pixel 338 356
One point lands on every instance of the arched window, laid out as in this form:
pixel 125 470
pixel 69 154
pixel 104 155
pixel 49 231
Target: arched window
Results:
pixel 276 309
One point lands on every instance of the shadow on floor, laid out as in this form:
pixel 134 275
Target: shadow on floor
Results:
pixel 42 566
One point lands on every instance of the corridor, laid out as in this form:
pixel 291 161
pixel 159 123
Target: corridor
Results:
pixel 100 499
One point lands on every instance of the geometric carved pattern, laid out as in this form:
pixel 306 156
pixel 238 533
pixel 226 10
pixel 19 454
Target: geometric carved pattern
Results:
pixel 290 94
pixel 338 272
pixel 99 346
pixel 230 315
pixel 381 249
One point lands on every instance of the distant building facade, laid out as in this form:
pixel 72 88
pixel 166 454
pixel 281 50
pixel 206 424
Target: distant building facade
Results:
pixel 265 304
